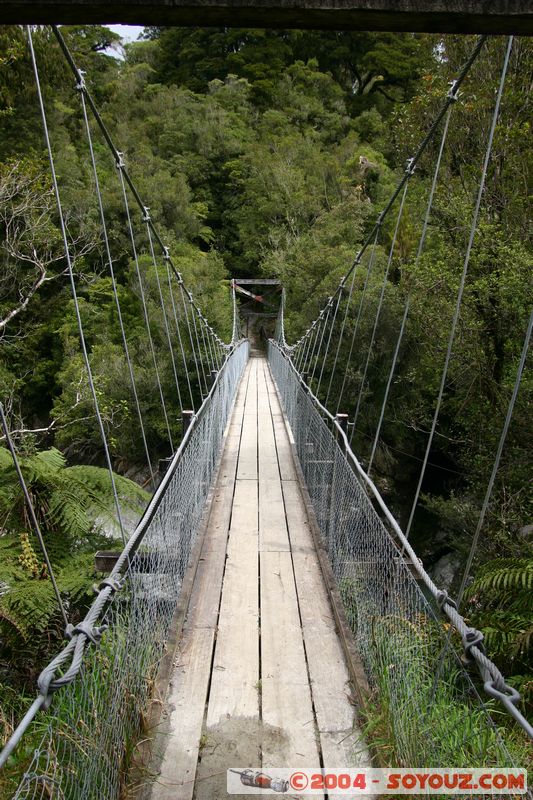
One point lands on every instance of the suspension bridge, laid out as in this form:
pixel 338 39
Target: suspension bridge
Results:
pixel 268 597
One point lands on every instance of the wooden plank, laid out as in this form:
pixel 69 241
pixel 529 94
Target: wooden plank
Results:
pixel 186 702
pixel 234 682
pixel 180 732
pixel 235 677
pixel 247 466
pixel 340 740
pixel 286 697
pixel 329 676
pixel 205 597
pixel 268 455
pixel 272 525
pixel 244 514
pixel 283 445
pixel 296 516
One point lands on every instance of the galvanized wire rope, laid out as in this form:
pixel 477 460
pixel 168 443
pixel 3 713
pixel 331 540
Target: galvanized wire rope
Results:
pixel 178 332
pixel 198 345
pixel 490 485
pixel 359 311
pixel 199 462
pixel 114 283
pixel 457 309
pixel 450 98
pixel 306 347
pixel 318 333
pixel 497 459
pixel 319 349
pixel 331 329
pixel 116 153
pixel 146 219
pixel 421 243
pixel 33 516
pixel 185 304
pixel 341 332
pixel 120 168
pixel 70 267
pixel 295 393
pixel 380 304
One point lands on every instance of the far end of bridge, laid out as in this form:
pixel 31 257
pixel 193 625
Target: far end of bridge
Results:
pixel 437 16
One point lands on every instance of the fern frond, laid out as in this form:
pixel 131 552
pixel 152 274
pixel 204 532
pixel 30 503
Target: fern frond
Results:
pixel 503 574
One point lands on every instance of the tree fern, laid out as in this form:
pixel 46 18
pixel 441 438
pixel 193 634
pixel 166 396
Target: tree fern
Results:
pixel 72 505
pixel 500 604
pixel 507 574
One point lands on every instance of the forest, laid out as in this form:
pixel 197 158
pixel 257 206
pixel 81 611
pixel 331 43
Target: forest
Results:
pixel 265 153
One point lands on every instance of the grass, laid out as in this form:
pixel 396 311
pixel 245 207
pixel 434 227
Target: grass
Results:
pixel 424 712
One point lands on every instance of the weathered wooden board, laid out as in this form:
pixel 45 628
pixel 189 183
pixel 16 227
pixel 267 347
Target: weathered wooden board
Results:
pixel 247 466
pixel 286 696
pixel 260 677
pixel 186 702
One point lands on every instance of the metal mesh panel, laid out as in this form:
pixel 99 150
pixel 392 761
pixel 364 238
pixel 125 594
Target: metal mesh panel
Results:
pixel 94 723
pixel 437 717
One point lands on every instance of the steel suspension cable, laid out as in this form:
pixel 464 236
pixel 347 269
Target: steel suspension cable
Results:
pixel 210 345
pixel 146 219
pixel 380 303
pixel 488 494
pixel 457 309
pixel 310 339
pixel 451 97
pixel 343 326
pixel 332 326
pixel 113 281
pixel 312 353
pixel 73 285
pixel 303 345
pixel 420 249
pixel 117 155
pixel 497 459
pixel 199 348
pixel 120 167
pixel 32 514
pixel 185 303
pixel 178 331
pixel 207 349
pixel 324 326
pixel 359 310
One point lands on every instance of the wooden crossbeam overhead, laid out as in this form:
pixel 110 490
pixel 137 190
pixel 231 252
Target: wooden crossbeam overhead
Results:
pixel 257 281
pixel 440 16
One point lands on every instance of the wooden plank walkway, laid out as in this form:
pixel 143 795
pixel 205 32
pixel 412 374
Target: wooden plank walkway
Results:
pixel 259 678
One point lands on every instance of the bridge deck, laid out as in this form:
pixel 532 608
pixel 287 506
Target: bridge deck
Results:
pixel 259 678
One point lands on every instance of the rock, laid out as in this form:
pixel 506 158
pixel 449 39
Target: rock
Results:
pixel 526 533
pixel 445 570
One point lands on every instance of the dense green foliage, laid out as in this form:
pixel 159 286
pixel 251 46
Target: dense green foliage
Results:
pixel 270 153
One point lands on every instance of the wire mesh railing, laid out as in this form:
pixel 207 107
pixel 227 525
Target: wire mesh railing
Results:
pixel 99 694
pixel 426 703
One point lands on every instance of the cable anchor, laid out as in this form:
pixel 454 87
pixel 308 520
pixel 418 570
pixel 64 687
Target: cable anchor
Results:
pixel 80 86
pixel 472 638
pixel 443 599
pixel 453 92
pixel 410 167
pixel 114 582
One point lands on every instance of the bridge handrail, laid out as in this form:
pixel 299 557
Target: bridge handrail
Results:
pixel 87 630
pixel 493 680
